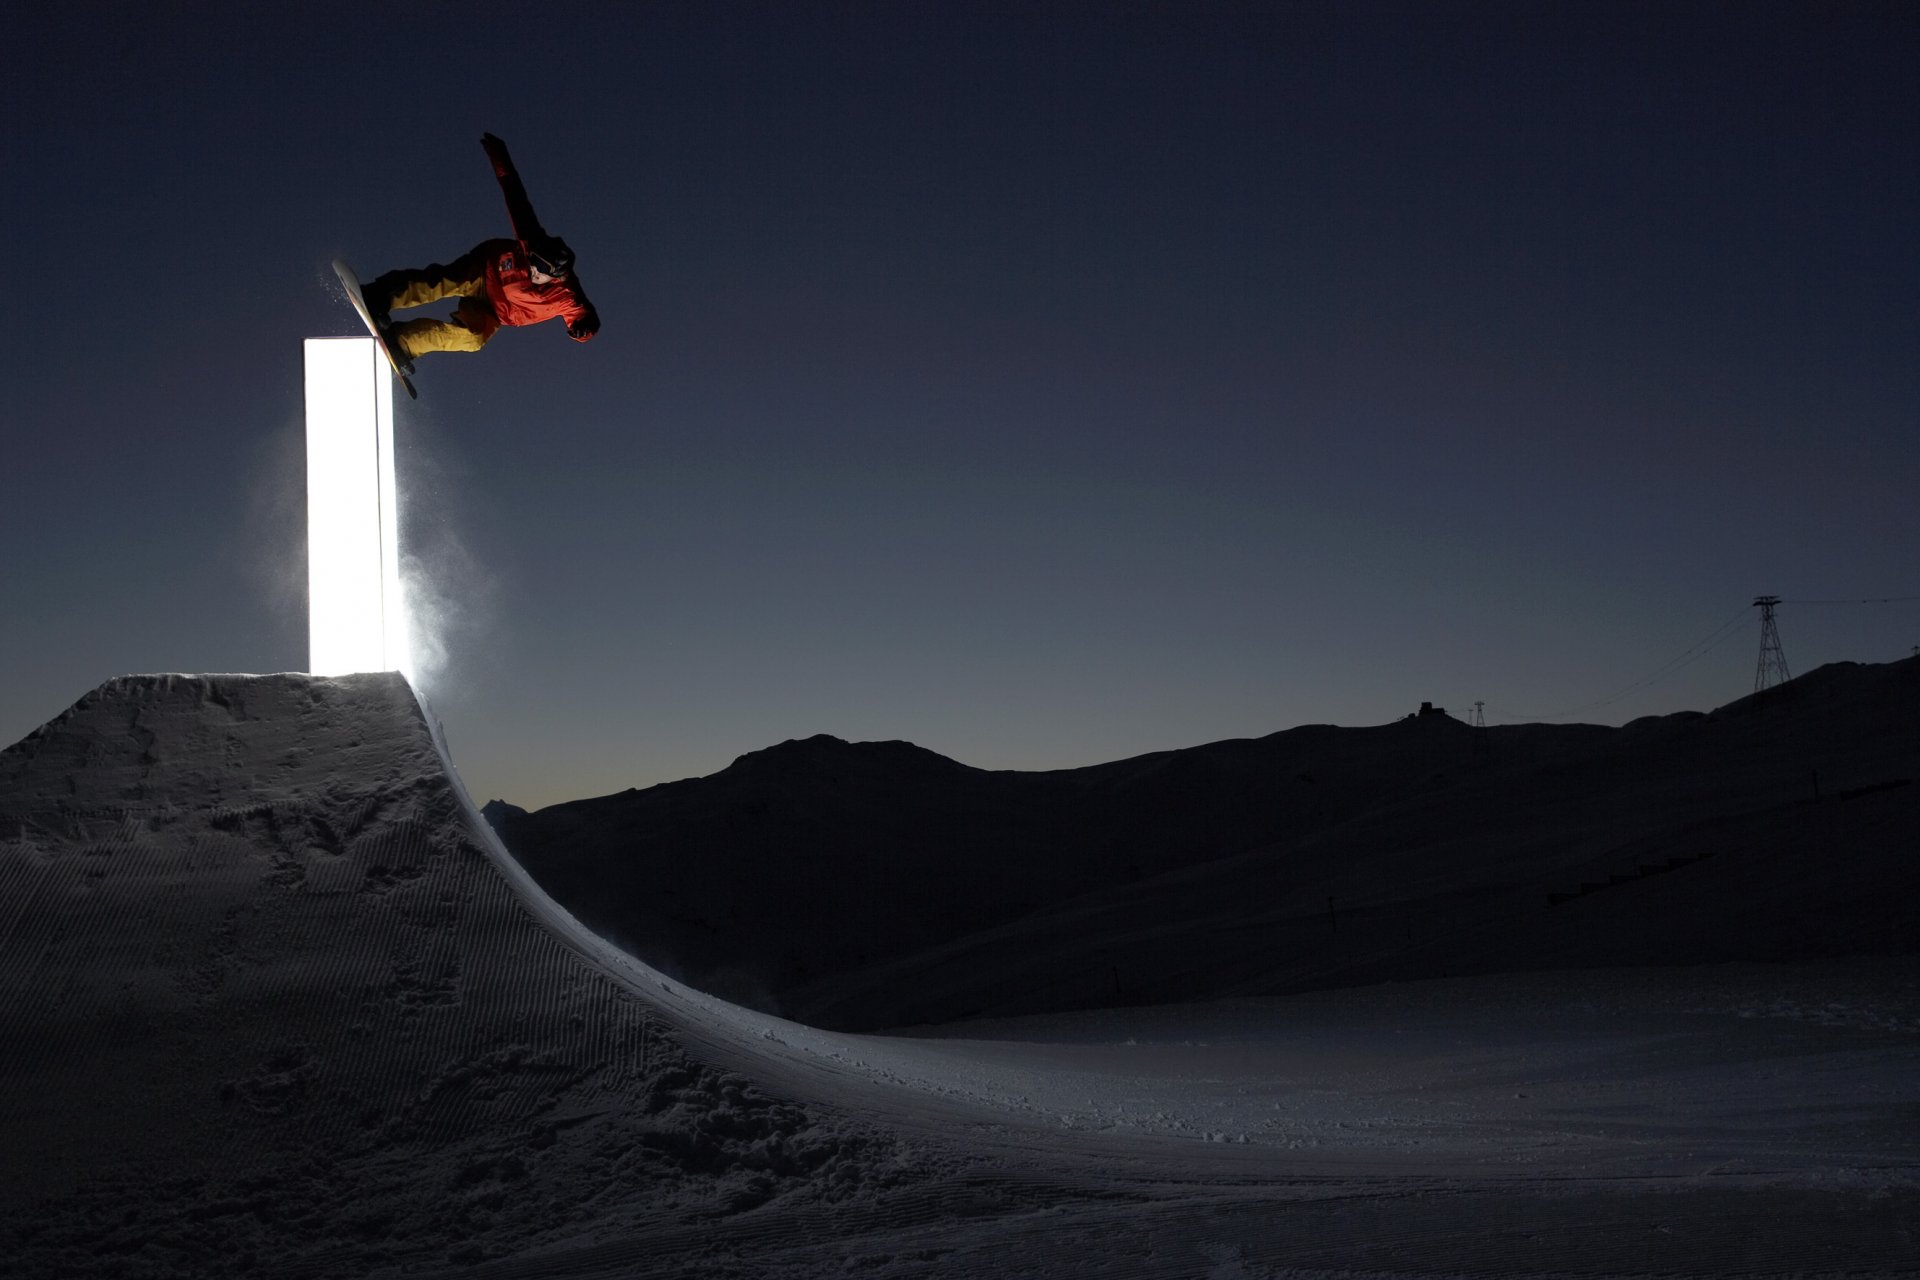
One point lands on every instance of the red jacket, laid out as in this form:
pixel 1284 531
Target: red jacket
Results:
pixel 517 299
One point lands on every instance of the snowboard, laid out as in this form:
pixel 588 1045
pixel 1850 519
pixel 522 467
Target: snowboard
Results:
pixel 351 283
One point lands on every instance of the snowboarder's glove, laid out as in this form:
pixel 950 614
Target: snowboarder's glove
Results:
pixel 585 327
pixel 497 153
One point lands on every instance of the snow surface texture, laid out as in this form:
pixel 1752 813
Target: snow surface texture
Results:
pixel 273 1001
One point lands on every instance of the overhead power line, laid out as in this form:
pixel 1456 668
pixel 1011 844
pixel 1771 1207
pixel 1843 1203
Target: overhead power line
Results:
pixel 1686 657
pixel 1719 635
pixel 1875 600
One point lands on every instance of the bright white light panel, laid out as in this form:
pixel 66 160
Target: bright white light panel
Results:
pixel 356 618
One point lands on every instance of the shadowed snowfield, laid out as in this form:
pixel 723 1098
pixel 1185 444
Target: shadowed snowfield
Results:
pixel 275 1001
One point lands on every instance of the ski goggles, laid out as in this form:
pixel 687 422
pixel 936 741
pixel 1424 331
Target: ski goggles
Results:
pixel 551 261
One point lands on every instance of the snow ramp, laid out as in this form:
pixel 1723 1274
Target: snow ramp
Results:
pixel 274 1001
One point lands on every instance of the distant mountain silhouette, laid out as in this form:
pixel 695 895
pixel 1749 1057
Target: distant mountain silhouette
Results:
pixel 860 885
pixel 810 858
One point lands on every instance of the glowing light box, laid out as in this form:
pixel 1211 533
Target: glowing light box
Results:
pixel 356 618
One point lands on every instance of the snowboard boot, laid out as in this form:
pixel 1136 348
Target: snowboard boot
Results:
pixel 395 347
pixel 379 301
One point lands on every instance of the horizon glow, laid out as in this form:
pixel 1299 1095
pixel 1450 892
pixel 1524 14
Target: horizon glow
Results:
pixel 356 612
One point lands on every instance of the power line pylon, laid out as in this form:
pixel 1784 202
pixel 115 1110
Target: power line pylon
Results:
pixel 1773 663
pixel 1479 728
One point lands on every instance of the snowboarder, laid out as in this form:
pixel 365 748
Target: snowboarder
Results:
pixel 521 281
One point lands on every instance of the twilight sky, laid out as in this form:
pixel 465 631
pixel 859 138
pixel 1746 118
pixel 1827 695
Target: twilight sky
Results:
pixel 1043 383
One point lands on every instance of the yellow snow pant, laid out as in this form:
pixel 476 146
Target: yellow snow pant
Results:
pixel 471 323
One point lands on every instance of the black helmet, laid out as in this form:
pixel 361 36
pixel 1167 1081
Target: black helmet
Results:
pixel 551 256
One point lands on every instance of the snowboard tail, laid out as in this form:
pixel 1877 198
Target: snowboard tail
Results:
pixel 351 283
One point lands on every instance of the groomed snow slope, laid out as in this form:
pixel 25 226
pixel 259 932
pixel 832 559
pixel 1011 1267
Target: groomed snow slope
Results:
pixel 273 1001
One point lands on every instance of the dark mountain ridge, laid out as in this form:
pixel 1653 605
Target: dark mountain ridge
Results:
pixel 807 858
pixel 825 879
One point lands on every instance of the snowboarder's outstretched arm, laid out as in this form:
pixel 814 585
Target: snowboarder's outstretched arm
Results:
pixel 526 226
pixel 542 249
